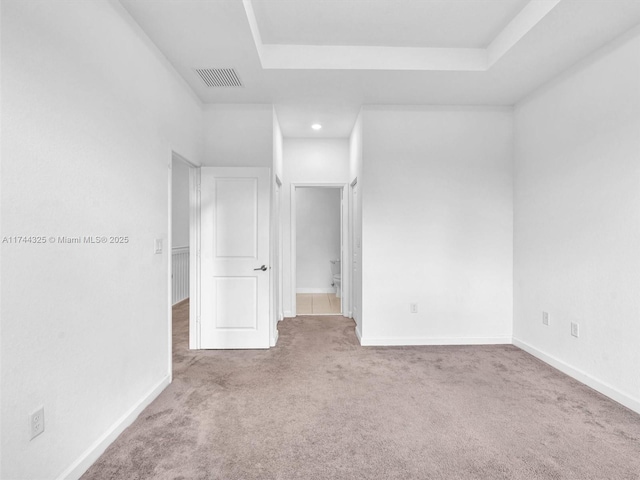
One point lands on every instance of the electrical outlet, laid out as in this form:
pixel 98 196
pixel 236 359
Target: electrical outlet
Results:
pixel 413 307
pixel 575 329
pixel 37 422
pixel 545 318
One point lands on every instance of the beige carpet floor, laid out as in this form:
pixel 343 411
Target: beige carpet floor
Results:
pixel 319 406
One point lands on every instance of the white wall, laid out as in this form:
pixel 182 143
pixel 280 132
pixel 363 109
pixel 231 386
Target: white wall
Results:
pixel 277 147
pixel 90 115
pixel 239 135
pixel 276 230
pixel 355 149
pixel 437 225
pixel 355 223
pixel 180 204
pixel 577 220
pixel 308 160
pixel 317 239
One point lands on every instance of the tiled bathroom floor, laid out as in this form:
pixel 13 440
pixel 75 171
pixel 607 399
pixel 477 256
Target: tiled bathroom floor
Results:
pixel 318 304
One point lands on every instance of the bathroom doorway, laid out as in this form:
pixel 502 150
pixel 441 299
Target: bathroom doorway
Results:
pixel 318 240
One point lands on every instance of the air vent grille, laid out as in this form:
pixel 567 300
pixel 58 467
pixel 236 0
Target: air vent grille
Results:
pixel 219 77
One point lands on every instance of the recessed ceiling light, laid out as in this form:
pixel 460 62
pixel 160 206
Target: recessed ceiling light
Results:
pixel 316 126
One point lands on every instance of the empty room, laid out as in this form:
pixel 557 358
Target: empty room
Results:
pixel 320 239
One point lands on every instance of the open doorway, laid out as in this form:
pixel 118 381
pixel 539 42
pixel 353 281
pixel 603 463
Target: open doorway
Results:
pixel 318 250
pixel 183 245
pixel 179 232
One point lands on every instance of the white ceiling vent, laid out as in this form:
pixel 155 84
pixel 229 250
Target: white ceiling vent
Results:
pixel 219 77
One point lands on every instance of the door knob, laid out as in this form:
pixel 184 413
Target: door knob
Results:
pixel 263 268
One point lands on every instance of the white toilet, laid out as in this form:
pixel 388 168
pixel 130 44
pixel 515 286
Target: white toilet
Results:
pixel 336 280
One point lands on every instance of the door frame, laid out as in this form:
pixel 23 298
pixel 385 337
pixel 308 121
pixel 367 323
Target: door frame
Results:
pixel 275 283
pixel 344 244
pixel 353 216
pixel 194 258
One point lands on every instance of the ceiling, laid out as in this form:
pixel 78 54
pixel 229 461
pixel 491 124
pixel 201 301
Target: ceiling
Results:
pixel 321 60
pixel 398 23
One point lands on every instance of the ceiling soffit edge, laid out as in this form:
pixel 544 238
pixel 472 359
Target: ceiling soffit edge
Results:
pixel 351 57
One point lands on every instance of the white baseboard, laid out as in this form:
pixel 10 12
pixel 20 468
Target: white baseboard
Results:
pixel 316 290
pixel 88 458
pixel 288 314
pixel 413 341
pixel 275 338
pixel 598 385
pixel 359 333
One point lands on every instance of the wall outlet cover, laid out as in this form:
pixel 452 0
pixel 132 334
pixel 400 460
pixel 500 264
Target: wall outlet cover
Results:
pixel 37 422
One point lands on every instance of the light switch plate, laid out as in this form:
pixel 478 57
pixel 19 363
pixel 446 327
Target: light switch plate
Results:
pixel 575 329
pixel 545 318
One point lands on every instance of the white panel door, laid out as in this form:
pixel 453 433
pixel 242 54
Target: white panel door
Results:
pixel 235 257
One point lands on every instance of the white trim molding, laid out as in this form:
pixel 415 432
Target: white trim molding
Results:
pixel 415 341
pixel 274 340
pixel 194 258
pixel 89 456
pixel 363 57
pixel 583 377
pixel 359 334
